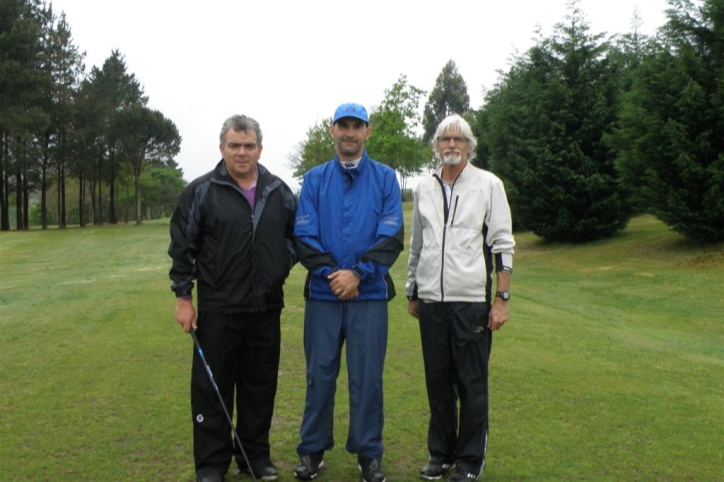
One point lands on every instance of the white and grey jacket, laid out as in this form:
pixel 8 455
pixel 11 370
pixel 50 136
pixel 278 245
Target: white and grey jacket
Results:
pixel 454 241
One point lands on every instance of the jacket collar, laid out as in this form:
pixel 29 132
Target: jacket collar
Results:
pixel 361 166
pixel 461 176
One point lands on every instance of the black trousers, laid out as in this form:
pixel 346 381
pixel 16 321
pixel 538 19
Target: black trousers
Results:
pixel 242 351
pixel 456 344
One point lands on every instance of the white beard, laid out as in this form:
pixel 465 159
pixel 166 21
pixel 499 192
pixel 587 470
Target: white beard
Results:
pixel 452 157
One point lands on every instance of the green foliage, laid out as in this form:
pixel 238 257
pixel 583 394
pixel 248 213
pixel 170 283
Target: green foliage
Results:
pixel 55 123
pixel 316 149
pixel 22 116
pixel 63 67
pixel 672 126
pixel 393 140
pixel 145 137
pixel 160 188
pixel 449 96
pixel 480 124
pixel 544 130
pixel 612 352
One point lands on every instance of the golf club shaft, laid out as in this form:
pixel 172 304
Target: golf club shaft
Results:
pixel 221 400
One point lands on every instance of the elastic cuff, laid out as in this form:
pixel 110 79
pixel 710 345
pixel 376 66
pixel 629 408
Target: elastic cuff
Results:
pixel 185 297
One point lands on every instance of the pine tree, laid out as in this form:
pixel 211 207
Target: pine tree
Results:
pixel 547 122
pixel 672 135
pixel 449 96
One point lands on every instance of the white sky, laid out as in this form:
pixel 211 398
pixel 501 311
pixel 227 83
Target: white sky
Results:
pixel 288 64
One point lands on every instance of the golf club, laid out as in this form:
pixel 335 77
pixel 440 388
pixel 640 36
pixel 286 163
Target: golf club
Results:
pixel 221 400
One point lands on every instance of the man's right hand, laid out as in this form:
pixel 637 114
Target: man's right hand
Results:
pixel 185 314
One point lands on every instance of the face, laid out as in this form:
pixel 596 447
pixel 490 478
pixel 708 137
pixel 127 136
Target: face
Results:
pixel 240 152
pixel 452 147
pixel 349 135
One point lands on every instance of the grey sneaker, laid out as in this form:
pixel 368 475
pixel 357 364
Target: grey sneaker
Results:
pixel 436 467
pixel 371 469
pixel 309 465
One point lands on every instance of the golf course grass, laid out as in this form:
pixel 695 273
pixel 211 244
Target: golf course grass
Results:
pixel 611 367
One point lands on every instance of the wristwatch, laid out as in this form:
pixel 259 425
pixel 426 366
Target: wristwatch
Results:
pixel 505 295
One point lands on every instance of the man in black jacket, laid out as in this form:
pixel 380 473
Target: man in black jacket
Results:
pixel 233 232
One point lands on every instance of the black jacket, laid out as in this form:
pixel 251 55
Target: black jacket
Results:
pixel 240 259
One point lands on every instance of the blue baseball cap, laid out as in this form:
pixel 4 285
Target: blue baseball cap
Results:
pixel 351 110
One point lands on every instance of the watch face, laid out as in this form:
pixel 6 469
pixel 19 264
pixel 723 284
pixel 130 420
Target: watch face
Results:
pixel 503 294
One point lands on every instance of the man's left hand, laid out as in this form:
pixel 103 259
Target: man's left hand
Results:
pixel 344 283
pixel 498 314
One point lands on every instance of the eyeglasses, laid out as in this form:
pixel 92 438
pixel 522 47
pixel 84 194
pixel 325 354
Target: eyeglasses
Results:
pixel 457 140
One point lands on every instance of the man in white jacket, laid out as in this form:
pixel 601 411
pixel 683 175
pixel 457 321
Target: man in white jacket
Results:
pixel 461 229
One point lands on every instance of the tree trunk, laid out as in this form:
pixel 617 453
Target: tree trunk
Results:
pixel 92 212
pixel 4 208
pixel 26 202
pixel 81 199
pixel 61 188
pixel 112 217
pixel 62 218
pixel 18 198
pixel 128 196
pixel 137 175
pixel 44 183
pixel 57 204
pixel 99 215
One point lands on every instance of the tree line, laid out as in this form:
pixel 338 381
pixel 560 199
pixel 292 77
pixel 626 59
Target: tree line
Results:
pixel 85 143
pixel 585 129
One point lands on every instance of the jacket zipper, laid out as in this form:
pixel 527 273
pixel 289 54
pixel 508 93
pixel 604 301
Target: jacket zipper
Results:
pixel 446 211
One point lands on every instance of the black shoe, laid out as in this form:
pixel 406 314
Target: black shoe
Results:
pixel 210 478
pixel 371 470
pixel 465 473
pixel 309 465
pixel 435 469
pixel 263 469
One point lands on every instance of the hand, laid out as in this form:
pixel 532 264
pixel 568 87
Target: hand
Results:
pixel 185 314
pixel 344 283
pixel 498 314
pixel 412 307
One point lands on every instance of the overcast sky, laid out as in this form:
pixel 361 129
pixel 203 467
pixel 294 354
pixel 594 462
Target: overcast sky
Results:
pixel 288 64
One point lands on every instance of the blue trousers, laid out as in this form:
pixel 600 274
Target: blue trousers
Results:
pixel 327 325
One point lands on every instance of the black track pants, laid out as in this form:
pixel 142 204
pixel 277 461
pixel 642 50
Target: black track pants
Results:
pixel 243 353
pixel 456 345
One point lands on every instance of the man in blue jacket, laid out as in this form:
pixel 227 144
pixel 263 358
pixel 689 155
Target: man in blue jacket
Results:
pixel 349 231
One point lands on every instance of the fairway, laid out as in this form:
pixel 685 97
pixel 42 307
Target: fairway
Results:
pixel 610 369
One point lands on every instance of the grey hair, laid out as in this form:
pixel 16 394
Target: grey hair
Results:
pixel 454 120
pixel 240 123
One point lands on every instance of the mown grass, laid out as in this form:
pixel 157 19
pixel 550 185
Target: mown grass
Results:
pixel 611 368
